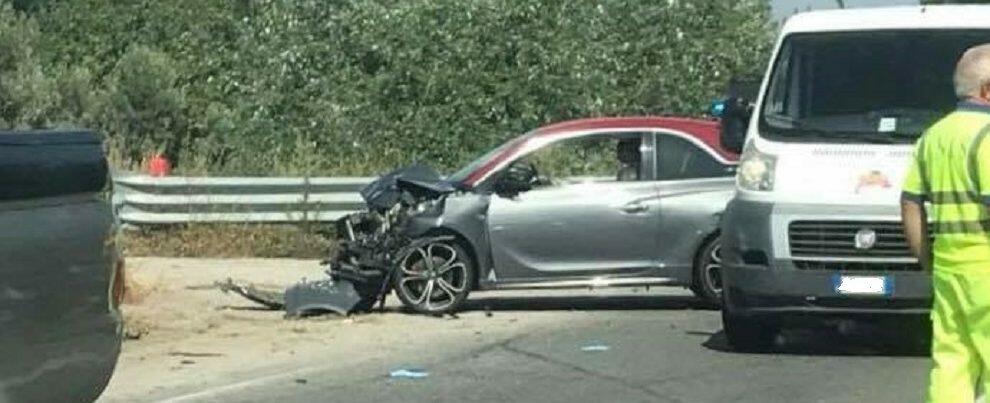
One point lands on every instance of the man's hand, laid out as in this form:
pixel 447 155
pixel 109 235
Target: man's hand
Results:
pixel 915 222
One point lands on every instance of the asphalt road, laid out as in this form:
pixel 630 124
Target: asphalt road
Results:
pixel 650 348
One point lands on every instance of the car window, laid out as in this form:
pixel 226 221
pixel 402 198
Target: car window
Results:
pixel 678 158
pixel 598 157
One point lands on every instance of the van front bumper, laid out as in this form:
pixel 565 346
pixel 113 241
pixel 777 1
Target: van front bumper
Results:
pixel 760 276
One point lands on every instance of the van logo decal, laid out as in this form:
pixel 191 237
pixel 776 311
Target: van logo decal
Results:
pixel 872 179
pixel 865 239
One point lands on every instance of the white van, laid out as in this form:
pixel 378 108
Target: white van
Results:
pixel 814 229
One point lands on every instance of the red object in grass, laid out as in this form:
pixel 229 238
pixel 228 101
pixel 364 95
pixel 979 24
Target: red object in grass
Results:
pixel 158 165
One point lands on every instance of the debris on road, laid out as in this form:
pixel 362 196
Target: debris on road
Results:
pixel 320 296
pixel 132 334
pixel 273 299
pixel 595 347
pixel 408 373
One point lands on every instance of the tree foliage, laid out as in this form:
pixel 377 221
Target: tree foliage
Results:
pixel 334 87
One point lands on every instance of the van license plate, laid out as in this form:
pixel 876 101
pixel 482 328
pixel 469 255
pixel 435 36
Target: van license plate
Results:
pixel 862 285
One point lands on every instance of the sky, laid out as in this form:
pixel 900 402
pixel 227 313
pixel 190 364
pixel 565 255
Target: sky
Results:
pixel 784 8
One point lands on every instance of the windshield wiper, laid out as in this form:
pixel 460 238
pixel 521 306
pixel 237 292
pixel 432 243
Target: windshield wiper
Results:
pixel 865 137
pixel 790 127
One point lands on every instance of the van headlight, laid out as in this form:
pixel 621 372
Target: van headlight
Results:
pixel 756 170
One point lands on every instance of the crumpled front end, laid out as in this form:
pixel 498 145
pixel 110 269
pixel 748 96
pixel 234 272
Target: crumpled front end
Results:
pixel 370 245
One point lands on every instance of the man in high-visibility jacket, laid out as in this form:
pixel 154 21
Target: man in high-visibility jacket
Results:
pixel 951 171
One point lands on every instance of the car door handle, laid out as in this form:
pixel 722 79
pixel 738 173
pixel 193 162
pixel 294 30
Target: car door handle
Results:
pixel 634 207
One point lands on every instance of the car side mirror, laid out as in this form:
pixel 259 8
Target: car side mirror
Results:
pixel 517 178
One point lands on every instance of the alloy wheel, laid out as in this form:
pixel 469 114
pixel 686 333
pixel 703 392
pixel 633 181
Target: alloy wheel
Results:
pixel 433 278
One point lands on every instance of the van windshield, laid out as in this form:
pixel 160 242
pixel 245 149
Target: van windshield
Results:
pixel 863 87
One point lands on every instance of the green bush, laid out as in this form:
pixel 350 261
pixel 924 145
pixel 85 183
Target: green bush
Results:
pixel 144 109
pixel 338 88
pixel 25 93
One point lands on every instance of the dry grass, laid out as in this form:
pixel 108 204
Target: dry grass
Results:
pixel 227 241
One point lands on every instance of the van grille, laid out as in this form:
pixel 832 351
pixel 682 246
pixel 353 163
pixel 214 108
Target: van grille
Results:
pixel 838 239
pixel 856 266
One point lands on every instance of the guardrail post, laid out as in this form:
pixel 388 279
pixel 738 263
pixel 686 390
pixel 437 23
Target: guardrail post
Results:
pixel 305 202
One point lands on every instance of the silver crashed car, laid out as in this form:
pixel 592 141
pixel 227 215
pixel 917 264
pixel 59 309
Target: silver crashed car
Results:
pixel 628 201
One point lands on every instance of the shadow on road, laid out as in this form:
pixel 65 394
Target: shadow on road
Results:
pixel 583 303
pixel 830 342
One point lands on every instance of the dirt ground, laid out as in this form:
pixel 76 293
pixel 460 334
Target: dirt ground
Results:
pixel 176 321
pixel 184 334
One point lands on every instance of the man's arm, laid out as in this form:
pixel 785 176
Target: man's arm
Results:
pixel 915 222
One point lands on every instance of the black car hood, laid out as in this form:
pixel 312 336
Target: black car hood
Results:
pixel 419 180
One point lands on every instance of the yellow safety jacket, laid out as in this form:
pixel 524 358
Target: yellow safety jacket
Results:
pixel 951 171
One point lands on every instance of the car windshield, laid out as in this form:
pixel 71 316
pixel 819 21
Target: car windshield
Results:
pixel 856 87
pixel 463 173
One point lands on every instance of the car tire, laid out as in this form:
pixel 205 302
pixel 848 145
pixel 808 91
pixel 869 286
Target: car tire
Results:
pixel 748 334
pixel 707 273
pixel 435 278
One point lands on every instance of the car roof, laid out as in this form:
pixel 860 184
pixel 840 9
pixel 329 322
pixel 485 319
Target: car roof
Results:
pixel 705 131
pixel 702 132
pixel 891 18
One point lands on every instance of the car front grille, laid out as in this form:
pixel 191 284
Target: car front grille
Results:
pixel 837 239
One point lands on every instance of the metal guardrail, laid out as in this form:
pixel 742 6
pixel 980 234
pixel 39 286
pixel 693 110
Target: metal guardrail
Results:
pixel 146 200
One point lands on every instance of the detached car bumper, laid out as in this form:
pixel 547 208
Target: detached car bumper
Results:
pixel 765 275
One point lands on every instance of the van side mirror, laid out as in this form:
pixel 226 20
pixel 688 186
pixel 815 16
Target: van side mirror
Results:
pixel 735 116
pixel 735 112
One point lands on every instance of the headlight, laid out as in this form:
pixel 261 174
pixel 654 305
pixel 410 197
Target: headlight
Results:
pixel 427 206
pixel 756 170
pixel 423 206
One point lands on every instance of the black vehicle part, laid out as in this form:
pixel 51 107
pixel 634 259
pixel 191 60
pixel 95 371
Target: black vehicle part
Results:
pixel 47 164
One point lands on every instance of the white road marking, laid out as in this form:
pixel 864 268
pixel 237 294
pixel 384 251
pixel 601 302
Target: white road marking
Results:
pixel 219 390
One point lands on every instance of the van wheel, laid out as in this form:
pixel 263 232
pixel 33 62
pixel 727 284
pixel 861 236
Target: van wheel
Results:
pixel 748 334
pixel 434 278
pixel 707 273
